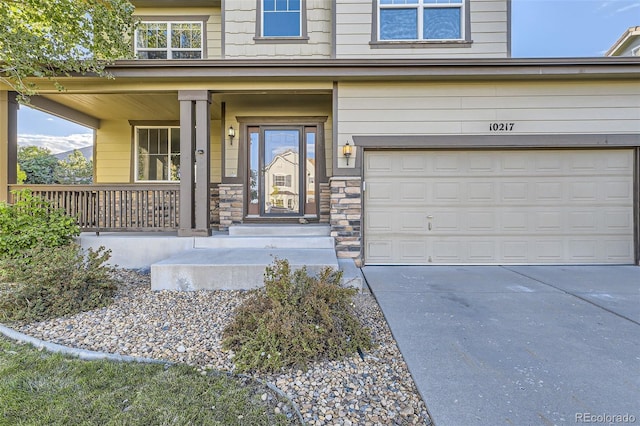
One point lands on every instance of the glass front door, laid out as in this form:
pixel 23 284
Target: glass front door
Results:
pixel 281 171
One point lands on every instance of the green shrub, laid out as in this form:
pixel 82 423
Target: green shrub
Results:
pixel 295 319
pixel 32 221
pixel 52 282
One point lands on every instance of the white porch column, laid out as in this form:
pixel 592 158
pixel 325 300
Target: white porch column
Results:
pixel 8 142
pixel 195 131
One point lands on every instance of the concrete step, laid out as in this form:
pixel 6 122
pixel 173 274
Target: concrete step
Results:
pixel 232 268
pixel 227 241
pixel 293 230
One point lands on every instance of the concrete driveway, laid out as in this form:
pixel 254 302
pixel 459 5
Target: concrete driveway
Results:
pixel 517 345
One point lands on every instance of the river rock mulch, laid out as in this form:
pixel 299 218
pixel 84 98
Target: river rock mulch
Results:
pixel 186 327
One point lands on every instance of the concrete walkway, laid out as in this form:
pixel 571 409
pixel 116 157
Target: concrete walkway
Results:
pixel 518 345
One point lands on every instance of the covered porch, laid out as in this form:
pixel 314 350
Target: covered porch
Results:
pixel 190 161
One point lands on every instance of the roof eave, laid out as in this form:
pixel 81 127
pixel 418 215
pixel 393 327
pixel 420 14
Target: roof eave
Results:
pixel 349 69
pixel 624 40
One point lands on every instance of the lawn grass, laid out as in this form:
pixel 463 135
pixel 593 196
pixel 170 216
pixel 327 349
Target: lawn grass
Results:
pixel 41 388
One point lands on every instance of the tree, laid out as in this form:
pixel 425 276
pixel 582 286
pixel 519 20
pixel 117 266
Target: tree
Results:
pixel 38 164
pixel 76 169
pixel 51 39
pixel 21 176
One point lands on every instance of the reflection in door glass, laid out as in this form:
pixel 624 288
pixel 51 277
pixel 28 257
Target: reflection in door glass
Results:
pixel 254 168
pixel 281 171
pixel 310 197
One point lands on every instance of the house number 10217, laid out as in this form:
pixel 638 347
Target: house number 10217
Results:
pixel 501 127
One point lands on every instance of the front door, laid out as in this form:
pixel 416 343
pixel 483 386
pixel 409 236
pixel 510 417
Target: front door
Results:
pixel 281 171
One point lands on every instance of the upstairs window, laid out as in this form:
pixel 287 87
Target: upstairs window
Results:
pixel 169 40
pixel 281 18
pixel 428 20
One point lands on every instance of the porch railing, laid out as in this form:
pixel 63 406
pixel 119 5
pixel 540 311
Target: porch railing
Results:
pixel 121 207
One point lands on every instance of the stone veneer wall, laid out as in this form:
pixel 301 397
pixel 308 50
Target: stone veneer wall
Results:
pixel 325 202
pixel 214 216
pixel 346 216
pixel 230 204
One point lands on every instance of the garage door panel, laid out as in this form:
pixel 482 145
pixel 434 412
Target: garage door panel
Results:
pixel 413 251
pixel 413 163
pixel 514 162
pixel 525 206
pixel 514 221
pixel 380 251
pixel 412 221
pixel 618 161
pixel 618 221
pixel 618 191
pixel 480 221
pixel 515 192
pixel 548 192
pixel 379 221
pixel 413 192
pixel 481 192
pixel 514 251
pixel 618 249
pixel 383 162
pixel 447 191
pixel 380 192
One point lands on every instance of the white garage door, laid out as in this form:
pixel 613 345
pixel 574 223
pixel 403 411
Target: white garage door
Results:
pixel 496 207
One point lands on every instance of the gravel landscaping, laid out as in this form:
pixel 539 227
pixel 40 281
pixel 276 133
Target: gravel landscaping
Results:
pixel 186 327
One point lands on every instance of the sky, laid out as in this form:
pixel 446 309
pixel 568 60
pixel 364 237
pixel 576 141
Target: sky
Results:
pixel 539 28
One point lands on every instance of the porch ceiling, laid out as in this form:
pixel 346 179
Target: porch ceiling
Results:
pixel 126 106
pixel 165 105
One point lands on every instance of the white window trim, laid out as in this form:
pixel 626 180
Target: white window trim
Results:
pixel 420 6
pixel 277 176
pixel 135 154
pixel 170 49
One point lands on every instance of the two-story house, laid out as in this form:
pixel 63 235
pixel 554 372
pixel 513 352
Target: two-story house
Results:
pixel 457 153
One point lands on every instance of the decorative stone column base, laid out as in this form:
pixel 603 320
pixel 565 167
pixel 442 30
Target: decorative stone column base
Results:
pixel 346 216
pixel 325 202
pixel 231 203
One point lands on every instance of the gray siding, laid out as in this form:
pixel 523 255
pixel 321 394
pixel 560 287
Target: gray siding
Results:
pixel 241 28
pixel 489 33
pixel 436 108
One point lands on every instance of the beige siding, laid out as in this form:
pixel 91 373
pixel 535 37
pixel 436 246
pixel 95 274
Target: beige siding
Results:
pixel 113 152
pixel 114 149
pixel 469 108
pixel 216 152
pixel 354 25
pixel 240 28
pixel 213 27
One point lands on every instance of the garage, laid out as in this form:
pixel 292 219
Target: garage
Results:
pixel 521 206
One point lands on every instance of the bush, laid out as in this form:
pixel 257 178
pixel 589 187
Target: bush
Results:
pixel 47 283
pixel 32 221
pixel 293 320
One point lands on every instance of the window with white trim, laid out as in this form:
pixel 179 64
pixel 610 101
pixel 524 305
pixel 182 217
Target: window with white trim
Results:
pixel 417 20
pixel 281 18
pixel 169 40
pixel 157 154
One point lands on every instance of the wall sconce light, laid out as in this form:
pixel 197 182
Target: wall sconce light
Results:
pixel 232 134
pixel 347 151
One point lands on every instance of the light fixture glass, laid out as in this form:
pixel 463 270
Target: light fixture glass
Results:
pixel 347 151
pixel 232 134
